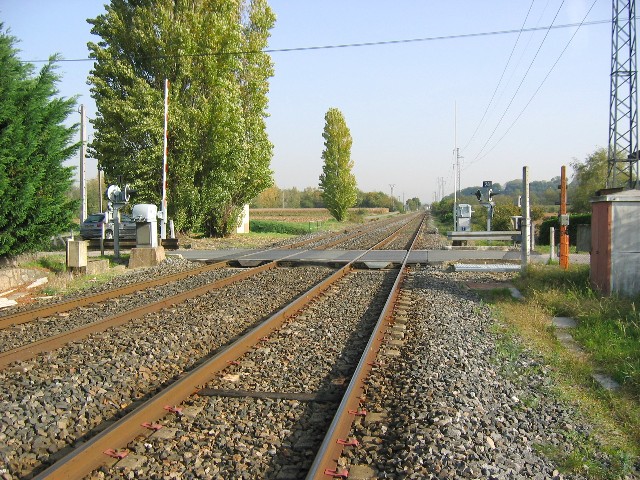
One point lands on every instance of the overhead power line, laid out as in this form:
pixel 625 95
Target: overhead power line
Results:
pixel 541 83
pixel 351 45
pixel 520 85
pixel 486 110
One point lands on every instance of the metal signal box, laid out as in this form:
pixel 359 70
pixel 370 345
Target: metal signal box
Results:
pixel 146 218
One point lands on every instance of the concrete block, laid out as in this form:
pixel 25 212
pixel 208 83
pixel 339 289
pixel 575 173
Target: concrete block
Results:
pixel 77 253
pixel 146 257
pixel 95 267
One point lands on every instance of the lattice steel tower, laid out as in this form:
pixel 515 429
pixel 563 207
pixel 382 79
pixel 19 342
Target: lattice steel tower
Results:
pixel 623 105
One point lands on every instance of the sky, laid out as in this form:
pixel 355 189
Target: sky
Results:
pixel 497 97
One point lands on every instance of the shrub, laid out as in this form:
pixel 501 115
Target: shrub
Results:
pixel 574 221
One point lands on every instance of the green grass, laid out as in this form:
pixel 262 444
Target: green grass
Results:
pixel 608 327
pixel 291 228
pixel 608 330
pixel 589 458
pixel 53 263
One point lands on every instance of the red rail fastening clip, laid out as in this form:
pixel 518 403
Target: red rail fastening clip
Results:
pixel 151 426
pixel 233 362
pixel 348 443
pixel 377 364
pixel 263 339
pixel 358 413
pixel 119 454
pixel 337 473
pixel 171 409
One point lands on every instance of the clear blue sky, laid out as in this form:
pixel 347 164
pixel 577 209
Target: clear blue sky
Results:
pixel 399 99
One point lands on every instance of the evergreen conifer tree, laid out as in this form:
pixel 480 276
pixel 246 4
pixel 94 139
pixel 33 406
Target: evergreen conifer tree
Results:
pixel 34 143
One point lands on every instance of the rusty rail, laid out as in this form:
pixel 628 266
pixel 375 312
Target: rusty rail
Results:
pixel 51 343
pixel 325 465
pixel 90 455
pixel 48 310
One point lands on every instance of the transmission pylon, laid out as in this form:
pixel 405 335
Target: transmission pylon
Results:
pixel 623 105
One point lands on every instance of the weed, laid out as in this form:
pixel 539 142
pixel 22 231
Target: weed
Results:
pixel 588 458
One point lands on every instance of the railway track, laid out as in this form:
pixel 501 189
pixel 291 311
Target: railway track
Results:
pixel 94 317
pixel 55 326
pixel 290 372
pixel 39 445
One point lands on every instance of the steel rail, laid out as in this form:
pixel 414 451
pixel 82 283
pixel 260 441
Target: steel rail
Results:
pixel 395 234
pixel 90 455
pixel 325 463
pixel 30 350
pixel 357 234
pixel 65 306
pixel 48 310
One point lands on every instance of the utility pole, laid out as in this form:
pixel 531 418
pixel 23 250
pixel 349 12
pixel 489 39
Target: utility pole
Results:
pixel 623 103
pixel 525 244
pixel 100 206
pixel 391 185
pixel 83 167
pixel 564 220
pixel 456 186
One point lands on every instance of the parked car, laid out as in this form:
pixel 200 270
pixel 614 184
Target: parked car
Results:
pixel 92 227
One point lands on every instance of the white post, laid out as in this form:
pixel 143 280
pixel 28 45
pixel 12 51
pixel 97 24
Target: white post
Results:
pixel 455 198
pixel 552 244
pixel 83 168
pixel 526 244
pixel 165 214
pixel 532 236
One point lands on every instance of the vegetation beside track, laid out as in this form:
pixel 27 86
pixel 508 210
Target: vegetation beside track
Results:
pixel 609 331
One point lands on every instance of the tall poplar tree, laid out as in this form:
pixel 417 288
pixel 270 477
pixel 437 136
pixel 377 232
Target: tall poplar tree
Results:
pixel 34 143
pixel 337 183
pixel 211 53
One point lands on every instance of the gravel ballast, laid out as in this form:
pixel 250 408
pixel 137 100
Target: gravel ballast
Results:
pixel 456 408
pixel 48 403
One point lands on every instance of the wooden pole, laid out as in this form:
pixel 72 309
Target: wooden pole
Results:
pixel 83 167
pixel 564 234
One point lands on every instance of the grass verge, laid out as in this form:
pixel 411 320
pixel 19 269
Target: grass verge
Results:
pixel 608 331
pixel 60 281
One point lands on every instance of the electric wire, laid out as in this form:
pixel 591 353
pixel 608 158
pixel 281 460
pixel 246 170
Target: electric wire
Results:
pixel 541 83
pixel 486 110
pixel 476 158
pixel 338 46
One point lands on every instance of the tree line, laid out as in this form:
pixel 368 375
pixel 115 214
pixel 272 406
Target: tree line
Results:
pixel 587 178
pixel 311 197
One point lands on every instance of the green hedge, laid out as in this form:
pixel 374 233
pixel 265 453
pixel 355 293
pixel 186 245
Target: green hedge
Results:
pixel 574 220
pixel 271 226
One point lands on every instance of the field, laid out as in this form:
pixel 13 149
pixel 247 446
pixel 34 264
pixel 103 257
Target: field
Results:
pixel 302 215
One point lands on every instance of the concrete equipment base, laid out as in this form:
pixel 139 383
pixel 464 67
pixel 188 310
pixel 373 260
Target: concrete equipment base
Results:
pixel 146 257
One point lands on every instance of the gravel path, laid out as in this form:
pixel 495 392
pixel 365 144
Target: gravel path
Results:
pixel 50 402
